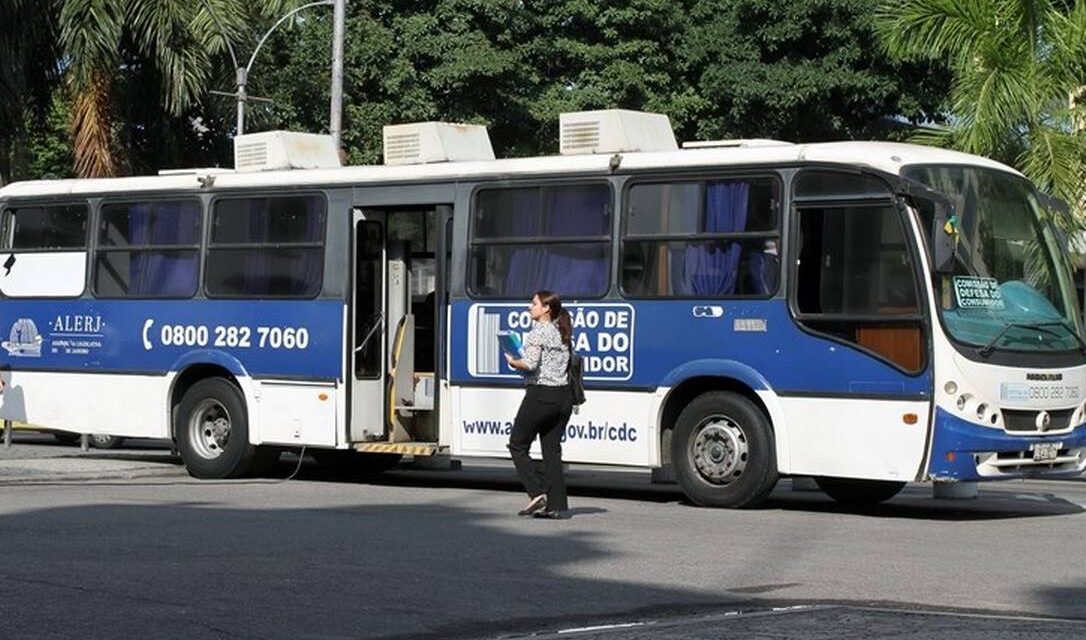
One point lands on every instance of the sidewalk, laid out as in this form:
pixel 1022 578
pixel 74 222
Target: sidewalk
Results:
pixel 36 458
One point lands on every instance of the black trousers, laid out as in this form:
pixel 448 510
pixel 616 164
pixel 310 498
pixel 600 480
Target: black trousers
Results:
pixel 544 412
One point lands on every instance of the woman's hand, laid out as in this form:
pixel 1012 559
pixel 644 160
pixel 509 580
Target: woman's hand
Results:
pixel 514 362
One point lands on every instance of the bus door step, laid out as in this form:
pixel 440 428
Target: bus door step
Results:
pixel 403 448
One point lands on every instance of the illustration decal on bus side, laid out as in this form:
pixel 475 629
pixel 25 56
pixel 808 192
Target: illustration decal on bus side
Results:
pixel 24 341
pixel 602 333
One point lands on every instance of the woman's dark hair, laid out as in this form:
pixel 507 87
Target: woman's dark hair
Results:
pixel 559 315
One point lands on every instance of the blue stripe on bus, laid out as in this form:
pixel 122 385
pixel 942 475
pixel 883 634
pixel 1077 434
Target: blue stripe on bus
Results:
pixel 661 343
pixel 963 439
pixel 248 337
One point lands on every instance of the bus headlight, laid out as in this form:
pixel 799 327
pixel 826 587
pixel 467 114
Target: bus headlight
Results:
pixel 951 388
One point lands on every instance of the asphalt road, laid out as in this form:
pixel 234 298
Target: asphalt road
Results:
pixel 128 546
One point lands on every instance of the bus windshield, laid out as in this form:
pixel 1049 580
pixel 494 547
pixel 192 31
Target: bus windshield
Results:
pixel 1009 287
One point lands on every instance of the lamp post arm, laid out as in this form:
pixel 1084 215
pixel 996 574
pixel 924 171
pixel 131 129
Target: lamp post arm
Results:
pixel 252 58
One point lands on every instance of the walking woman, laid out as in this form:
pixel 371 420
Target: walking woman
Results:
pixel 546 406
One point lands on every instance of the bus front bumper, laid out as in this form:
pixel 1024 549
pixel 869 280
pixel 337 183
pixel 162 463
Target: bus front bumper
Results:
pixel 962 451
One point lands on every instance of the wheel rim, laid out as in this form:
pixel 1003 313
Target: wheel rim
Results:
pixel 719 450
pixel 209 429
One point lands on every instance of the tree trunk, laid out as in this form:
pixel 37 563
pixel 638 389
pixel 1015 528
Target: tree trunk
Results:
pixel 5 160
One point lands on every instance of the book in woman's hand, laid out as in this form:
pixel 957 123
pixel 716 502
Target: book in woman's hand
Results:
pixel 511 344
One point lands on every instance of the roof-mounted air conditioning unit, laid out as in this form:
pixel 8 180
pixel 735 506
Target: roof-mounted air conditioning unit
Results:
pixel 615 131
pixel 423 142
pixel 277 150
pixel 739 142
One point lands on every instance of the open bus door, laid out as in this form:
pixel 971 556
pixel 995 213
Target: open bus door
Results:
pixel 398 311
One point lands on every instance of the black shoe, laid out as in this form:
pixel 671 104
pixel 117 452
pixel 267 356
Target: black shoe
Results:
pixel 538 503
pixel 550 514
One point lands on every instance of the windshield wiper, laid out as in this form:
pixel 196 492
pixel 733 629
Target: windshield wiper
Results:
pixel 987 349
pixel 1064 324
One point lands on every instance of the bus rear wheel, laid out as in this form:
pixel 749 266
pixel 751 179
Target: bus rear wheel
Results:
pixel 103 441
pixel 858 492
pixel 722 451
pixel 213 430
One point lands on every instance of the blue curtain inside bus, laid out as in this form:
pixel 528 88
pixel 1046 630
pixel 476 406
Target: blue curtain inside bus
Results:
pixel 163 224
pixel 571 269
pixel 712 268
pixel 282 271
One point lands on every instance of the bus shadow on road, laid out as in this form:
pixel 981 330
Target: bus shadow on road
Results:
pixel 916 503
pixel 583 483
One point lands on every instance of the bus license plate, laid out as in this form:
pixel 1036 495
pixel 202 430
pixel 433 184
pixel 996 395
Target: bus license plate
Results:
pixel 1043 451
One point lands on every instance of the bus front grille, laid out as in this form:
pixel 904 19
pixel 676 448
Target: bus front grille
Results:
pixel 1019 421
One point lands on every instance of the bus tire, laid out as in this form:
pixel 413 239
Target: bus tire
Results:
pixel 723 451
pixel 859 492
pixel 66 437
pixel 213 430
pixel 103 441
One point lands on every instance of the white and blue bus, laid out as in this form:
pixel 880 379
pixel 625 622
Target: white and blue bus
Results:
pixel 868 314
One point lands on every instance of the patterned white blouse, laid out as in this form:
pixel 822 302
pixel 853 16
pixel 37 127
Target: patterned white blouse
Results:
pixel 546 357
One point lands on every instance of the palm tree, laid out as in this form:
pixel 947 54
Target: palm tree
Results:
pixel 90 47
pixel 1019 71
pixel 28 73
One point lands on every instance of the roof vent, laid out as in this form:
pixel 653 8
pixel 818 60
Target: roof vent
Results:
pixel 614 131
pixel 745 143
pixel 423 142
pixel 276 150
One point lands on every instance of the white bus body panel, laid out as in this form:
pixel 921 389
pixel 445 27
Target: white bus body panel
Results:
pixel 295 413
pixel 854 438
pixel 612 427
pixel 123 405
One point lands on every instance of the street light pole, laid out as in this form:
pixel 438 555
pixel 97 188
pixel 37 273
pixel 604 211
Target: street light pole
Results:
pixel 242 73
pixel 335 118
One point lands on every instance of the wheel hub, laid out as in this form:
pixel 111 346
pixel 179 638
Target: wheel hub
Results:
pixel 209 429
pixel 720 450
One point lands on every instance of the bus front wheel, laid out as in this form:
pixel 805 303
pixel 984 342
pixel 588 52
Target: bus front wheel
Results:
pixel 213 430
pixel 859 492
pixel 722 451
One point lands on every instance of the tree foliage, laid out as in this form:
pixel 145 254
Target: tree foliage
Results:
pixel 1019 70
pixel 804 71
pixel 138 71
pixel 740 68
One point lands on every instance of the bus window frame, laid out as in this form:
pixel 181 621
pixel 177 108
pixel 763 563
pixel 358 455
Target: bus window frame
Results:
pixel 200 247
pixel 700 178
pixel 922 318
pixel 6 236
pixel 607 240
pixel 207 245
pixel 8 231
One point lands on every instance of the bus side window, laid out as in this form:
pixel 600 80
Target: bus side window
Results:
pixel 855 279
pixel 45 239
pixel 272 246
pixel 550 237
pixel 701 239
